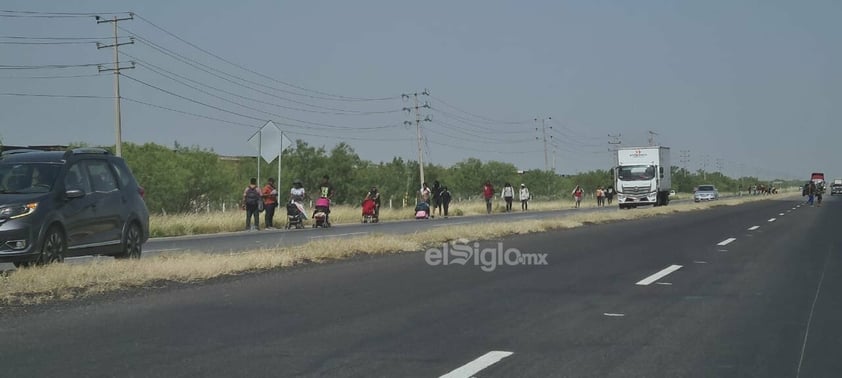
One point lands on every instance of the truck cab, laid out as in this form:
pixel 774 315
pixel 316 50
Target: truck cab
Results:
pixel 642 177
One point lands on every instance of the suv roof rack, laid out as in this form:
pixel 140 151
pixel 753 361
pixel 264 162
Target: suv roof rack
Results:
pixel 18 151
pixel 86 150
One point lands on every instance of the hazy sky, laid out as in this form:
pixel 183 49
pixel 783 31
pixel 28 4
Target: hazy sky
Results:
pixel 754 83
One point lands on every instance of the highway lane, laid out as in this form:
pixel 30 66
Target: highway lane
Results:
pixel 740 308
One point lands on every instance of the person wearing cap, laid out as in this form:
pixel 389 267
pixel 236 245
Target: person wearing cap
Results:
pixel 374 195
pixel 524 197
pixel 297 195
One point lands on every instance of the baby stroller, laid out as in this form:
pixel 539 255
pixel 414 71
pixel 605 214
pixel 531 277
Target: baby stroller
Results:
pixel 422 211
pixel 295 218
pixel 320 216
pixel 369 211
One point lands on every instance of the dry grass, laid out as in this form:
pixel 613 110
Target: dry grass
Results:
pixel 69 281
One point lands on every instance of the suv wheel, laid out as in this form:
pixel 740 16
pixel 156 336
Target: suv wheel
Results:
pixel 52 249
pixel 132 247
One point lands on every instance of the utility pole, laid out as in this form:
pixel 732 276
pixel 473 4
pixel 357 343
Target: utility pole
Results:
pixel 116 69
pixel 705 167
pixel 544 137
pixel 720 165
pixel 615 141
pixel 652 138
pixel 685 159
pixel 418 120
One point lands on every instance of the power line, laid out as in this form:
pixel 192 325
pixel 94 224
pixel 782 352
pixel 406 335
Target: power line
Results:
pixel 45 43
pixel 49 66
pixel 479 116
pixel 322 125
pixel 333 97
pixel 189 113
pixel 54 95
pixel 50 76
pixel 166 73
pixel 63 38
pixel 233 79
pixel 76 14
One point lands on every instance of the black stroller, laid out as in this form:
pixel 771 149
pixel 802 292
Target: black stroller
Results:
pixel 294 216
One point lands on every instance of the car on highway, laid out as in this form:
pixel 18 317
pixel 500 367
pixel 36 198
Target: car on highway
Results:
pixel 56 204
pixel 705 193
pixel 836 187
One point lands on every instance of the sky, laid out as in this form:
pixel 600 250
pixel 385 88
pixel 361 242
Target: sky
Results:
pixel 753 87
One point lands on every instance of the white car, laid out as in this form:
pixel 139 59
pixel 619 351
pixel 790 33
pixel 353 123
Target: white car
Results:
pixel 705 193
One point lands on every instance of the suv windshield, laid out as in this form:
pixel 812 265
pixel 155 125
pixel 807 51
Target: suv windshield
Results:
pixel 706 188
pixel 636 172
pixel 23 178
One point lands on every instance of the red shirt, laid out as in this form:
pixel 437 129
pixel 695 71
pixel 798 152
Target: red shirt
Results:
pixel 488 191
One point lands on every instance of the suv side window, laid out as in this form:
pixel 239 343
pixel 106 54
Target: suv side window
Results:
pixel 123 173
pixel 77 179
pixel 102 179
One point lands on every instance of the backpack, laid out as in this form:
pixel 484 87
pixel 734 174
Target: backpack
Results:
pixel 252 197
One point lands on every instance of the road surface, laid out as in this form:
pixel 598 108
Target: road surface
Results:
pixel 747 291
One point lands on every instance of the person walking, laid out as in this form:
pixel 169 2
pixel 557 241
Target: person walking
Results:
pixel 270 202
pixel 425 193
pixel 600 197
pixel 445 200
pixel 577 195
pixel 297 195
pixel 524 197
pixel 251 204
pixel 811 193
pixel 436 193
pixel 374 195
pixel 609 194
pixel 508 195
pixel 488 194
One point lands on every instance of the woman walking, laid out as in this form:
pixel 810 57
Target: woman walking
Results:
pixel 508 195
pixel 524 197
pixel 577 195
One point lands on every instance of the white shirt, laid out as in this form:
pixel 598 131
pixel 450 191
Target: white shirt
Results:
pixel 524 194
pixel 508 191
pixel 297 193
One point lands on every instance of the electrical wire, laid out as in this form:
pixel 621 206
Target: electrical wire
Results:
pixel 233 79
pixel 51 76
pixel 486 119
pixel 163 72
pixel 53 95
pixel 49 66
pixel 309 123
pixel 332 97
pixel 189 113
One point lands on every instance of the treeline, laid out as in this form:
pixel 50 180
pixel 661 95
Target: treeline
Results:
pixel 189 179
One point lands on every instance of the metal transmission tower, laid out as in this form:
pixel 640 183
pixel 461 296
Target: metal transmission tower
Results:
pixel 685 160
pixel 543 130
pixel 116 69
pixel 652 135
pixel 418 119
pixel 720 165
pixel 705 159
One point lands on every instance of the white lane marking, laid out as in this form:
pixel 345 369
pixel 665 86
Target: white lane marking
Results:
pixel 337 235
pixel 752 228
pixel 468 370
pixel 726 241
pixel 699 262
pixel 772 219
pixel 613 314
pixel 781 214
pixel 657 276
pixel 664 283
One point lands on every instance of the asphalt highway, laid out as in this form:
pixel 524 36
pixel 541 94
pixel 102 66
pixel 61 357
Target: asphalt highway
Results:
pixel 746 291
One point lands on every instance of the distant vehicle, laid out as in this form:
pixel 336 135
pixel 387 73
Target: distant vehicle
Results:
pixel 672 193
pixel 705 193
pixel 642 176
pixel 836 187
pixel 817 178
pixel 61 204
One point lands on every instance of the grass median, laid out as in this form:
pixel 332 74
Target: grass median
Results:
pixel 72 281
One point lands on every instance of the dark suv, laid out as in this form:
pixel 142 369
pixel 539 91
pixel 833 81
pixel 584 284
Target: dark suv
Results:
pixel 60 204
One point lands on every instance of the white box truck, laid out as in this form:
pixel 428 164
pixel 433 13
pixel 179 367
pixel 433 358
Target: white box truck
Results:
pixel 643 176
